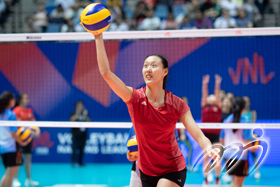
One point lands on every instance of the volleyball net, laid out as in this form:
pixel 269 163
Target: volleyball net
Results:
pixel 56 70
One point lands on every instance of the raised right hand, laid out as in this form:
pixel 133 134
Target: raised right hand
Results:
pixel 205 79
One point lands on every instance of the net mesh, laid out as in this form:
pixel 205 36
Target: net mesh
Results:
pixel 57 74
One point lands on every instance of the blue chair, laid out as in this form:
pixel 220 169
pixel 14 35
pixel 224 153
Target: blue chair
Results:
pixel 53 28
pixel 177 10
pixel 161 11
pixel 128 12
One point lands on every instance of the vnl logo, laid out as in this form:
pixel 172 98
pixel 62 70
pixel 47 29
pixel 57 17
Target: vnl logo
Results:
pixel 254 70
pixel 237 155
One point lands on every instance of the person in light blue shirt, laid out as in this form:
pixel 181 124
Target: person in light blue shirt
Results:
pixel 8 140
pixel 240 167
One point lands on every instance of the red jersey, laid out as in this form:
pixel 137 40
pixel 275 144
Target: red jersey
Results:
pixel 211 114
pixel 158 150
pixel 24 115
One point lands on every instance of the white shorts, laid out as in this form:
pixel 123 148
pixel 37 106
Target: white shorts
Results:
pixel 135 180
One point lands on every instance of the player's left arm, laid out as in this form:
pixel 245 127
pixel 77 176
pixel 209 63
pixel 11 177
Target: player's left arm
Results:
pixel 195 131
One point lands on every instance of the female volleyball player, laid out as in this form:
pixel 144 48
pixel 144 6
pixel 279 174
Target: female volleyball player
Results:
pixel 24 113
pixel 240 167
pixel 211 113
pixel 8 138
pixel 251 116
pixel 154 112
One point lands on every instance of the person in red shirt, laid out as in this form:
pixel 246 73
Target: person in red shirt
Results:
pixel 154 112
pixel 211 113
pixel 24 113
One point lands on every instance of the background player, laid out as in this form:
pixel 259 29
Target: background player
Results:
pixel 211 112
pixel 25 113
pixel 9 151
pixel 229 136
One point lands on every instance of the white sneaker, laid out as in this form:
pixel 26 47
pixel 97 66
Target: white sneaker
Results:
pixel 29 182
pixel 16 183
pixel 210 177
pixel 226 178
pixel 257 175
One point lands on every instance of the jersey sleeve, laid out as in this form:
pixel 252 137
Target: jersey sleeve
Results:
pixel 248 134
pixel 222 134
pixel 183 107
pixel 13 129
pixel 12 116
pixel 134 97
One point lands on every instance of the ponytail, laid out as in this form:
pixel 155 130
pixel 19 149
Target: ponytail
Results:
pixel 237 107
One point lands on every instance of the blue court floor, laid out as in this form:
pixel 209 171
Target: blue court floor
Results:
pixel 118 175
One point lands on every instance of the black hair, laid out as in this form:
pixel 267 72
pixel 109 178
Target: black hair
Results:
pixel 165 65
pixel 79 102
pixel 19 98
pixel 5 99
pixel 238 105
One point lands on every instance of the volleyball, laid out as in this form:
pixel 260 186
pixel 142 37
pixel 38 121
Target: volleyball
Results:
pixel 95 18
pixel 35 131
pixel 24 133
pixel 132 145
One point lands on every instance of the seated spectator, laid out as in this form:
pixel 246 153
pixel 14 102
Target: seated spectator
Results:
pixel 170 23
pixel 231 6
pixel 224 21
pixel 180 2
pixel 186 24
pixel 191 8
pixel 40 18
pixel 253 12
pixel 64 3
pixel 119 25
pixel 262 5
pixel 115 9
pixel 150 22
pixel 202 22
pixel 57 15
pixel 243 21
pixel 131 4
pixel 211 9
pixel 140 12
pixel 30 26
pixel 74 12
pixel 150 3
pixel 3 9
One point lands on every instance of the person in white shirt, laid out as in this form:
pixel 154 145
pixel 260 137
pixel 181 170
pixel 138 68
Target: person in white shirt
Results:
pixel 150 22
pixel 119 25
pixel 231 6
pixel 224 21
pixel 41 18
